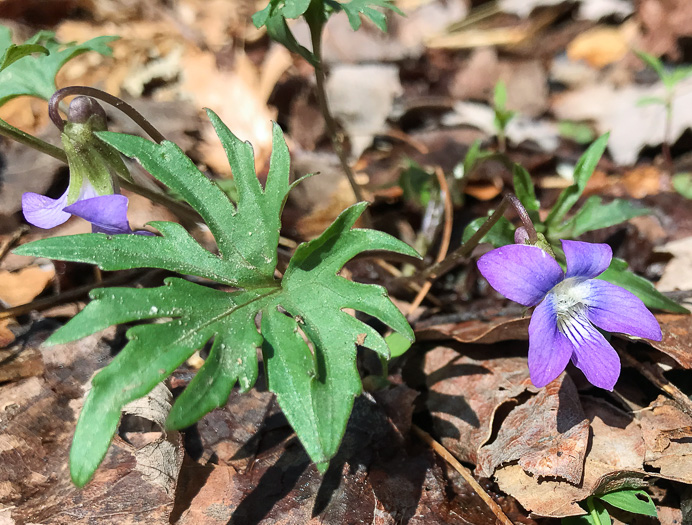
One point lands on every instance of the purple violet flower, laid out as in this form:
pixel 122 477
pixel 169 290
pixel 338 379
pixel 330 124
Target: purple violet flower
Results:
pixel 570 307
pixel 106 213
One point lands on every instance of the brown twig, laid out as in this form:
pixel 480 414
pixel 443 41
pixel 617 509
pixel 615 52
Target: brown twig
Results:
pixel 76 293
pixel 465 473
pixel 464 251
pixel 446 236
pixel 653 374
pixel 7 245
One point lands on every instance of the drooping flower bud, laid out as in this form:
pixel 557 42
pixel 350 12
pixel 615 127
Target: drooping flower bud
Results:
pixel 89 157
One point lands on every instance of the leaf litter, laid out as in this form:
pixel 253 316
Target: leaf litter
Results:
pixel 467 382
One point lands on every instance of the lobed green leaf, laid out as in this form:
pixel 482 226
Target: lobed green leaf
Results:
pixel 35 75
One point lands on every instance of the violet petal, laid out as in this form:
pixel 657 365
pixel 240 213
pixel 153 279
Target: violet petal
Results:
pixel 549 350
pixel 585 259
pixel 614 309
pixel 43 211
pixel 521 273
pixel 106 213
pixel 593 355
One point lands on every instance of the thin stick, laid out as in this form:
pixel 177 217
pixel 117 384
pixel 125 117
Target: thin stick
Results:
pixel 76 293
pixel 653 374
pixel 461 253
pixel 9 243
pixel 465 473
pixel 446 237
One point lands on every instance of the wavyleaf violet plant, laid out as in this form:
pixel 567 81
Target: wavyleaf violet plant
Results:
pixel 570 307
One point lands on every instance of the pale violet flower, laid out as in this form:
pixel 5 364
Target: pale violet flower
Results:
pixel 106 213
pixel 570 307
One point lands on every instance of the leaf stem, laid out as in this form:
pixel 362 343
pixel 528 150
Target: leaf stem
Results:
pixel 16 134
pixel 316 25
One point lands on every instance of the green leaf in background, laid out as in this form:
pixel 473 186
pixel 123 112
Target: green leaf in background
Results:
pixel 650 100
pixel 501 234
pixel 35 75
pixel 677 75
pixel 398 344
pixel 579 132
pixel 278 30
pixel 367 8
pixel 315 382
pixel 594 215
pixel 617 273
pixel 653 62
pixel 523 188
pixel 416 183
pixel 682 182
pixel 12 52
pixel 635 501
pixel 500 95
pixel 582 173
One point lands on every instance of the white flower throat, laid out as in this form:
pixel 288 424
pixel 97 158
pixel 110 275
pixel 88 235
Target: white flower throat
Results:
pixel 570 302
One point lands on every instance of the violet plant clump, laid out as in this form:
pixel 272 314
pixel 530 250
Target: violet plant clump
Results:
pixel 570 307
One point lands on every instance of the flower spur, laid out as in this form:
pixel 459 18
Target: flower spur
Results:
pixel 570 307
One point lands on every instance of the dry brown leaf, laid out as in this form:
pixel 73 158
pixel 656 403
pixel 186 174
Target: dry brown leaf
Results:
pixel 677 340
pixel 602 45
pixel 667 432
pixel 616 451
pixel 465 390
pixel 548 435
pixel 23 286
pixel 664 22
pixel 20 363
pixel 677 274
pixel 478 331
pixel 236 97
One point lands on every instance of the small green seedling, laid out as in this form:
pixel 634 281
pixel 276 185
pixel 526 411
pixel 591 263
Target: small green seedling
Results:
pixel 502 115
pixel 670 78
pixel 632 501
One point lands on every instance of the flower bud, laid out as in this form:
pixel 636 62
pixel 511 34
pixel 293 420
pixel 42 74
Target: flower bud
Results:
pixel 85 109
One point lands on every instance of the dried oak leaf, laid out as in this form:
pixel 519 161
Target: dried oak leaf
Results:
pixel 614 458
pixel 465 391
pixel 548 435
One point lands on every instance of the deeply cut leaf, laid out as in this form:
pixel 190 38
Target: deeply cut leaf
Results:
pixel 35 75
pixel 368 8
pixel 308 341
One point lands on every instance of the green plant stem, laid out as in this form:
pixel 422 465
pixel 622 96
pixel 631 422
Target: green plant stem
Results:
pixel 667 155
pixel 316 25
pixel 501 141
pixel 9 131
pixel 460 254
pixel 592 511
